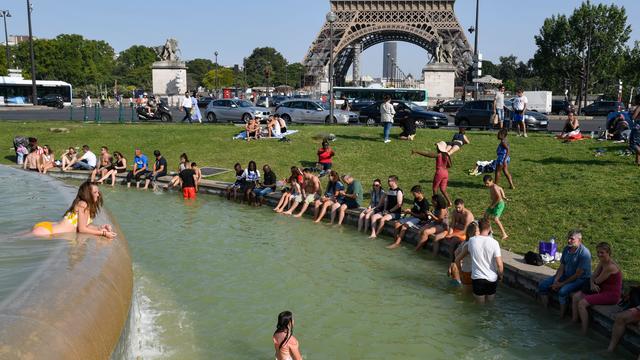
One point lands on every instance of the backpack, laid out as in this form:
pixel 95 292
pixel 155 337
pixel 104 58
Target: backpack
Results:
pixel 532 258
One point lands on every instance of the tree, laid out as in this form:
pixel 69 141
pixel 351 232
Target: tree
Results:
pixel 592 38
pixel 225 78
pixel 133 66
pixel 265 66
pixel 294 75
pixel 196 71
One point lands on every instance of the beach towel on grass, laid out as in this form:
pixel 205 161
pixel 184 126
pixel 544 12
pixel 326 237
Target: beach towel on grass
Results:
pixel 243 135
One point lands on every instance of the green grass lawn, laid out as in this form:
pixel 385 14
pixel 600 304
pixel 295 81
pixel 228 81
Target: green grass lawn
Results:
pixel 559 186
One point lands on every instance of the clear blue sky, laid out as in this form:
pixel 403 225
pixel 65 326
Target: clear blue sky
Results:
pixel 235 27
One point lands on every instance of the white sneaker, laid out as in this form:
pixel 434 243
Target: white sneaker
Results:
pixel 525 135
pixel 387 141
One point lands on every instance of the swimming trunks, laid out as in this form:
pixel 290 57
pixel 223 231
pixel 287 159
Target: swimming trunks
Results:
pixel 497 211
pixel 482 287
pixel 189 193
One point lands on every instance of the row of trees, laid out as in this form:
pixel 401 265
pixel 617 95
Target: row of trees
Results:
pixel 94 67
pixel 585 50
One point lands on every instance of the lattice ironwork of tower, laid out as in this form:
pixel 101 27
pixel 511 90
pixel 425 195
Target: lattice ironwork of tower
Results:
pixel 430 24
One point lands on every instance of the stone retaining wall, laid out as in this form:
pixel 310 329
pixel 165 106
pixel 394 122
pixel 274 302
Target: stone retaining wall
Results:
pixel 517 275
pixel 75 304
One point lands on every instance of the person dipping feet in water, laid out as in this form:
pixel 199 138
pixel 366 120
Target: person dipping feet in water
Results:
pixel 79 216
pixel 286 345
pixel 498 198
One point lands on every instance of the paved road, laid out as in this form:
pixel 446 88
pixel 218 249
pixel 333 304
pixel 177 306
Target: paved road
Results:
pixel 112 115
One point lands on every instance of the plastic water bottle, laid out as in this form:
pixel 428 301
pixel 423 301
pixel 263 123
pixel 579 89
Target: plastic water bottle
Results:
pixel 553 240
pixel 592 134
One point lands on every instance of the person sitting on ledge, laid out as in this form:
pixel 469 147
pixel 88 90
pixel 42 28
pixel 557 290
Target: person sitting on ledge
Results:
pixel 571 130
pixel 414 217
pixel 376 202
pixel 392 208
pixel 311 184
pixel 604 287
pixel 622 320
pixel 460 220
pixel 119 167
pixel 332 194
pixel 238 184
pixel 139 169
pixel 438 226
pixel 68 158
pixel 79 216
pixel 87 161
pixel 105 165
pixel 574 271
pixel 287 191
pixel 265 187
pixel 159 170
pixel 32 161
pixel 198 171
pixel 351 200
pixel 251 176
pixel 175 180
pixel 47 160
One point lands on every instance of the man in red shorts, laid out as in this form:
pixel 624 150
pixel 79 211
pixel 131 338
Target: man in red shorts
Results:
pixel 189 182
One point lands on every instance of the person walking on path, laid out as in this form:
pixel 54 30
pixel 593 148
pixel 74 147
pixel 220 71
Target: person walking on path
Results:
pixel 387 112
pixel 503 159
pixel 498 105
pixel 443 163
pixel 520 103
pixel 486 263
pixel 574 271
pixel 186 106
pixel 196 115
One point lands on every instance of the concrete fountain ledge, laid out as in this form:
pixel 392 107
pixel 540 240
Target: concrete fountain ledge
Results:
pixel 75 304
pixel 518 274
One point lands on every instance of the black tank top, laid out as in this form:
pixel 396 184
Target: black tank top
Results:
pixel 392 200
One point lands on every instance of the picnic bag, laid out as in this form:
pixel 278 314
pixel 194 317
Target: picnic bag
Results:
pixel 532 258
pixel 494 119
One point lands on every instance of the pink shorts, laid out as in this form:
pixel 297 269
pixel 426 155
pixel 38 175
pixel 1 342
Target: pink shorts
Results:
pixel 441 180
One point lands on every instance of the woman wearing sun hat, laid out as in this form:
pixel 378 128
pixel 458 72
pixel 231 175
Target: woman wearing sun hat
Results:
pixel 443 163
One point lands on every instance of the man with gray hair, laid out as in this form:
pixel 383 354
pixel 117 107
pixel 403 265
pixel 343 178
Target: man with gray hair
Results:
pixel 574 270
pixel 352 197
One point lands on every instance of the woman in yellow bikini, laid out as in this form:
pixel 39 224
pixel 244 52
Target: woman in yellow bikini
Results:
pixel 79 216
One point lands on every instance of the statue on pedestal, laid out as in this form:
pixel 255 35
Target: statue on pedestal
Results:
pixel 168 52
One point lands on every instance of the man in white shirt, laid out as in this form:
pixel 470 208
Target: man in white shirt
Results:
pixel 88 160
pixel 486 263
pixel 498 105
pixel 520 103
pixel 186 106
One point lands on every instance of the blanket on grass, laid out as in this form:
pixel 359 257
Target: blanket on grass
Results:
pixel 243 135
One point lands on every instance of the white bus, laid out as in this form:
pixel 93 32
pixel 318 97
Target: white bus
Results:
pixel 417 96
pixel 17 91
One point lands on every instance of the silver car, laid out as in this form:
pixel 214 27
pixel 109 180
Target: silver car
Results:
pixel 312 112
pixel 233 110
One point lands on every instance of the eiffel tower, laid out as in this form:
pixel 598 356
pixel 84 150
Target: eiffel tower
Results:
pixel 361 24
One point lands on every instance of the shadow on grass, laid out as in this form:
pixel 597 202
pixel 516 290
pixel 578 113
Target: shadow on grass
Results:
pixel 563 161
pixel 307 164
pixel 11 158
pixel 363 138
pixel 475 183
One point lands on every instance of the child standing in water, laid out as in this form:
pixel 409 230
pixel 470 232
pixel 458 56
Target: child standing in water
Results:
pixel 503 158
pixel 498 198
pixel 286 345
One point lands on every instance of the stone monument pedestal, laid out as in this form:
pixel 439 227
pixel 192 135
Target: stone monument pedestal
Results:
pixel 169 80
pixel 439 80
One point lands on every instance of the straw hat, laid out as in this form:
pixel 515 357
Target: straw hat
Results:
pixel 442 146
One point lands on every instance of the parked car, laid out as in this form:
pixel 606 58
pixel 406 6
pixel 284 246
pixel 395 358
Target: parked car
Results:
pixel 478 114
pixel 450 106
pixel 359 104
pixel 561 107
pixel 603 108
pixel 233 110
pixel 424 118
pixel 313 112
pixel 51 101
pixel 277 100
pixel 204 101
pixel 262 101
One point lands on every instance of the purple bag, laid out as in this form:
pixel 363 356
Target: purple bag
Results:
pixel 547 248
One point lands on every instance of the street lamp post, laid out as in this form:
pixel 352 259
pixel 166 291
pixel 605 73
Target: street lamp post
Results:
pixel 331 18
pixel 476 59
pixel 34 91
pixel 5 14
pixel 215 83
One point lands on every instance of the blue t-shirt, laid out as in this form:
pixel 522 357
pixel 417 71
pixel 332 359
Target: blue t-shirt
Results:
pixel 339 187
pixel 581 259
pixel 141 161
